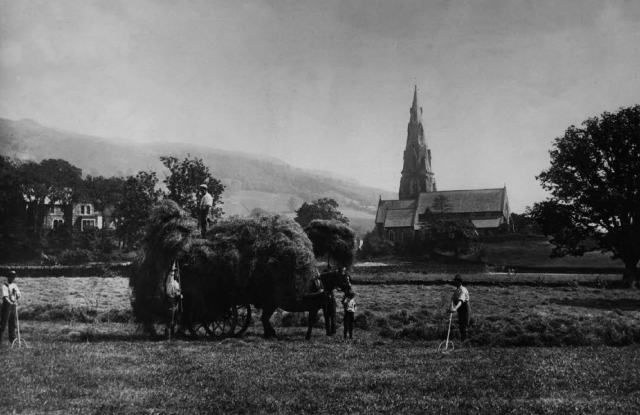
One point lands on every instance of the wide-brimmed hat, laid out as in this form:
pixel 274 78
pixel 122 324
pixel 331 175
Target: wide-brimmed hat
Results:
pixel 457 278
pixel 204 186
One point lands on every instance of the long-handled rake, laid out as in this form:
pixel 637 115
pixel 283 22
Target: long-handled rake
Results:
pixel 20 341
pixel 446 343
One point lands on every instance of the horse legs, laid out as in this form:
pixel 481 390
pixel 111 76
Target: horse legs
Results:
pixel 269 331
pixel 313 315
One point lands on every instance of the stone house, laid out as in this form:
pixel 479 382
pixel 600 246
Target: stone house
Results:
pixel 84 216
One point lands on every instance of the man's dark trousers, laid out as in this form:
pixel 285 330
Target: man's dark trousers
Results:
pixel 9 317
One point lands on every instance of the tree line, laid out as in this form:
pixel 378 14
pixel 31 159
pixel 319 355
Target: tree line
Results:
pixel 28 190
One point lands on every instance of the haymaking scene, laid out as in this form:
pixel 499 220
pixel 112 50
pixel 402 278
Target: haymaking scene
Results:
pixel 340 207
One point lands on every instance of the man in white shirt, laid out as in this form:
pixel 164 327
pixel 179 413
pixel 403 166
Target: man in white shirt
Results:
pixel 460 303
pixel 9 313
pixel 205 206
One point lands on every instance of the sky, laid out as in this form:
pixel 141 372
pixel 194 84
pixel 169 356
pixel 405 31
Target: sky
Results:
pixel 328 84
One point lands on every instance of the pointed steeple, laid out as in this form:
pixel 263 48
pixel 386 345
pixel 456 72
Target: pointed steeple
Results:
pixel 415 97
pixel 417 176
pixel 416 111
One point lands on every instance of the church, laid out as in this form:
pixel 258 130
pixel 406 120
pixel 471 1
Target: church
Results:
pixel 396 220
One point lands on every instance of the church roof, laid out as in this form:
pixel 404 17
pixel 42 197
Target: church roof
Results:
pixel 467 201
pixel 486 223
pixel 385 205
pixel 399 218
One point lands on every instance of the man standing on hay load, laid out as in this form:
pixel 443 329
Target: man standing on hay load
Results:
pixel 205 206
pixel 460 303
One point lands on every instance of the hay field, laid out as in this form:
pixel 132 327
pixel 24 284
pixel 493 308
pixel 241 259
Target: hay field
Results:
pixel 392 365
pixel 501 315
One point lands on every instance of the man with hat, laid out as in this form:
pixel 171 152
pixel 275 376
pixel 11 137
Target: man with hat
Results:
pixel 460 303
pixel 9 314
pixel 205 206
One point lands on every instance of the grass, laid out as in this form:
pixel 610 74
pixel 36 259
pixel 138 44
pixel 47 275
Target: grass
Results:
pixel 534 251
pixel 392 365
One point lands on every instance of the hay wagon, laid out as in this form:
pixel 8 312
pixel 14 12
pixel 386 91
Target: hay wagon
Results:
pixel 216 313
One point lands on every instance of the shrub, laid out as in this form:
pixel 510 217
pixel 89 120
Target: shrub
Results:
pixel 75 257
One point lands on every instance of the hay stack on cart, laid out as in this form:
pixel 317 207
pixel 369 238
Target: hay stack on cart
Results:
pixel 241 262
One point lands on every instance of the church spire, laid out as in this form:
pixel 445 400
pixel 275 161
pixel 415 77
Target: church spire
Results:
pixel 416 111
pixel 417 176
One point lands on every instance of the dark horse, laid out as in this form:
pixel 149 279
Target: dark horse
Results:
pixel 317 299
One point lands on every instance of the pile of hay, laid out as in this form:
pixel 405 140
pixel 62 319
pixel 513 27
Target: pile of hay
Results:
pixel 261 261
pixel 335 239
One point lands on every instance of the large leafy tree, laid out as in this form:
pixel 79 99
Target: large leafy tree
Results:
pixel 325 209
pixel 183 181
pixel 448 235
pixel 138 198
pixel 52 181
pixel 11 208
pixel 105 193
pixel 594 181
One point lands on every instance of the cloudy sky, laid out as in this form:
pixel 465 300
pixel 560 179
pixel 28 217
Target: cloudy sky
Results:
pixel 328 84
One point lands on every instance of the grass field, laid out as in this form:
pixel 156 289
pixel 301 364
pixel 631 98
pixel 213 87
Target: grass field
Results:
pixel 534 251
pixel 565 362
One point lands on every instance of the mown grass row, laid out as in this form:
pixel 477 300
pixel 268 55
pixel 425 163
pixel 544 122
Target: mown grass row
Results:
pixel 501 316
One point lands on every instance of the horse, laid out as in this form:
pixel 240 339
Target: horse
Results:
pixel 318 298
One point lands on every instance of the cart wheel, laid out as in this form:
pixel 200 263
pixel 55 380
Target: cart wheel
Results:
pixel 244 319
pixel 224 325
pixel 196 330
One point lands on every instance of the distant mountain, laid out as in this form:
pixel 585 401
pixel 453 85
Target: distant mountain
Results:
pixel 252 180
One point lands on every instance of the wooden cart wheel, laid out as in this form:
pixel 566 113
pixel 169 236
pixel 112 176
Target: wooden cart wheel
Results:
pixel 224 324
pixel 244 319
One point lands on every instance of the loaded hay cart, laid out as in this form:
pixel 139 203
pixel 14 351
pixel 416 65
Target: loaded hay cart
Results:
pixel 218 314
pixel 264 262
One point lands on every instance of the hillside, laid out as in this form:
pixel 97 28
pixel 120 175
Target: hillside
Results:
pixel 252 180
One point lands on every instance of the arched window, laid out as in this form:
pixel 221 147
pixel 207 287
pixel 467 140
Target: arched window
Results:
pixel 392 236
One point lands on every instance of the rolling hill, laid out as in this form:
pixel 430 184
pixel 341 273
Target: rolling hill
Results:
pixel 251 180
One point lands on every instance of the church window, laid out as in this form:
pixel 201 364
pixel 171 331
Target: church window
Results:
pixel 392 236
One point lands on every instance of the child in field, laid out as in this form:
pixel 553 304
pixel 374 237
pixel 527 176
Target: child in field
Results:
pixel 460 303
pixel 350 307
pixel 9 313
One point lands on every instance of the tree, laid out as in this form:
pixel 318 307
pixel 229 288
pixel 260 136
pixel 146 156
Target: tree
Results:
pixel 375 246
pixel 258 212
pixel 104 192
pixel 47 183
pixel 183 181
pixel 12 206
pixel 594 181
pixel 325 209
pixel 441 205
pixel 448 235
pixel 524 223
pixel 138 199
